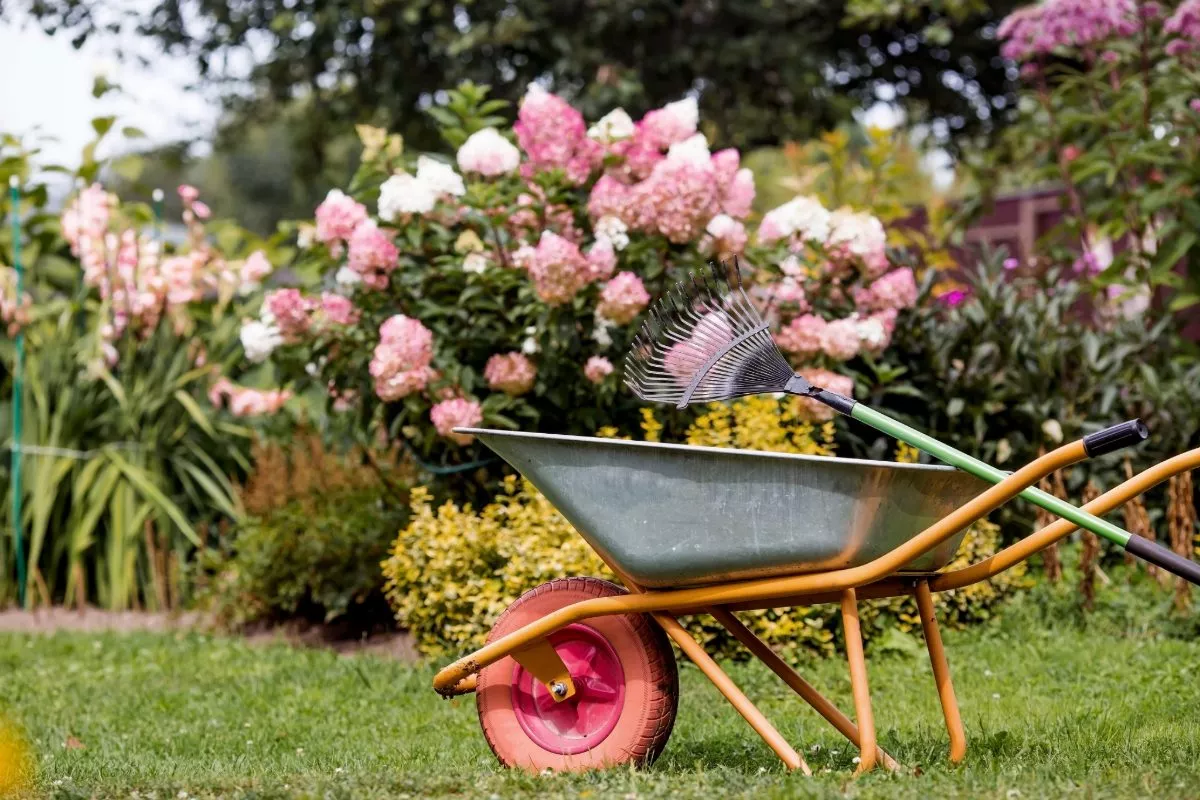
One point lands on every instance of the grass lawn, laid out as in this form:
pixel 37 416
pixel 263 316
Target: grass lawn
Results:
pixel 1053 707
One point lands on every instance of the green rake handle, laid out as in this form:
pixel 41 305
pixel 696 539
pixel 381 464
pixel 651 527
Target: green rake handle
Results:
pixel 1096 444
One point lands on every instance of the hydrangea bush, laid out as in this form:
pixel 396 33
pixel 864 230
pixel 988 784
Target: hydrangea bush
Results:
pixel 502 284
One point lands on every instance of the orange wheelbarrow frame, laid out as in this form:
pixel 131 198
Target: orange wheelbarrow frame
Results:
pixel 530 648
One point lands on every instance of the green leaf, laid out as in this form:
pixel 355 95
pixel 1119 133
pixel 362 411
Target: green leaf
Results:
pixel 195 412
pixel 143 484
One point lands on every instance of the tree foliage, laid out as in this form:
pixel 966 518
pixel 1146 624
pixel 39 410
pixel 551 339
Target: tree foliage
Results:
pixel 764 71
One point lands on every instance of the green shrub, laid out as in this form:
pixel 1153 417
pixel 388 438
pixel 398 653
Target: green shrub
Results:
pixel 319 524
pixel 317 562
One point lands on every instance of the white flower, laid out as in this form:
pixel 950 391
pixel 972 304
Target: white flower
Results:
pixel 803 215
pixel 687 111
pixel 791 266
pixel 475 262
pixel 614 230
pixel 721 226
pixel 347 277
pixel 530 345
pixel 306 236
pixel 871 333
pixel 693 150
pixel 600 329
pixel 613 126
pixel 488 153
pixel 860 232
pixel 404 194
pixel 439 177
pixel 259 340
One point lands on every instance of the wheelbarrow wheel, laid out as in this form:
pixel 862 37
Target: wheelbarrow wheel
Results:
pixel 626 683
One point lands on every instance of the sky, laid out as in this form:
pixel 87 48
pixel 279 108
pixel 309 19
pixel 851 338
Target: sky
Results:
pixel 57 98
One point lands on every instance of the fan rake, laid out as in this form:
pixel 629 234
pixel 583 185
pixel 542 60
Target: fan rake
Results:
pixel 705 341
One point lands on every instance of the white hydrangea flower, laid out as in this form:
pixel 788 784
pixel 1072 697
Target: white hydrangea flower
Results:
pixel 530 346
pixel 439 177
pixel 612 127
pixel 687 111
pixel 259 339
pixel 488 153
pixel 803 215
pixel 476 263
pixel 860 232
pixel 347 277
pixel 693 149
pixel 871 333
pixel 614 230
pixel 601 327
pixel 404 194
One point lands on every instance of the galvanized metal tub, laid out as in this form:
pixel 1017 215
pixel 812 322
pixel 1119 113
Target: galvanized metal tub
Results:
pixel 675 515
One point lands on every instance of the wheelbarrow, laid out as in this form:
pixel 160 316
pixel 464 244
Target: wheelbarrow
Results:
pixel 578 672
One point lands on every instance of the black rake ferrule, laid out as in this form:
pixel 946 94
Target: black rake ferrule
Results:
pixel 799 385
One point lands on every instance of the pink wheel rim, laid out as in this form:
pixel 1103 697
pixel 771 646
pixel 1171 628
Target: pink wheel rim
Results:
pixel 583 721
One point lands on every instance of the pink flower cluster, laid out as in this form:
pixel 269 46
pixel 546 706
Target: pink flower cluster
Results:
pixel 1041 29
pixel 597 369
pixel 558 268
pixel 511 373
pixel 897 289
pixel 128 270
pixel 400 365
pixel 1184 24
pixel 623 298
pixel 290 311
pixel 338 310
pixel 245 402
pixel 372 254
pixel 457 412
pixel 554 135
pixel 14 311
pixel 681 194
pixel 337 217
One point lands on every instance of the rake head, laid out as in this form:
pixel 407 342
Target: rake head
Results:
pixel 705 341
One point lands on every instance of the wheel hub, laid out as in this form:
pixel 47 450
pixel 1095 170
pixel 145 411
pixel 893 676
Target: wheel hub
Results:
pixel 584 720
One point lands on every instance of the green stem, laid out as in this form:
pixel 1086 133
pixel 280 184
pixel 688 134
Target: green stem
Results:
pixel 14 194
pixel 959 459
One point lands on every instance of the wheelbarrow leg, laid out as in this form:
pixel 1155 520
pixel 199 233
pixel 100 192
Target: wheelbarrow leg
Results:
pixel 793 679
pixel 725 685
pixel 858 682
pixel 941 673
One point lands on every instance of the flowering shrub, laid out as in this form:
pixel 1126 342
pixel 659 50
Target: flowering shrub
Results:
pixel 505 292
pixel 1110 113
pixel 453 570
pixel 126 335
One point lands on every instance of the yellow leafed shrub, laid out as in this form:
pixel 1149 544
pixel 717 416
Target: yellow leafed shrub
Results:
pixel 454 569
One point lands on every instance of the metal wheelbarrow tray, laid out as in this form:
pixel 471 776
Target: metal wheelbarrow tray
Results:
pixel 676 515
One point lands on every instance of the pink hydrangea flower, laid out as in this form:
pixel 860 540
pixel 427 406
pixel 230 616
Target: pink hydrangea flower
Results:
pixel 400 364
pixel 816 410
pixel 188 193
pixel 372 254
pixel 858 235
pixel 738 195
pixel 672 123
pixel 677 200
pixel 337 217
pixel 1184 24
pixel 556 266
pixel 610 198
pixel 597 369
pixel 803 335
pixel 456 413
pixel 554 135
pixel 511 373
pixel 897 289
pixel 487 152
pixel 623 298
pixel 601 260
pixel 840 339
pixel 338 309
pixel 244 402
pixel 290 311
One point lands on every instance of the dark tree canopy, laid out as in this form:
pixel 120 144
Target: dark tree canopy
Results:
pixel 765 70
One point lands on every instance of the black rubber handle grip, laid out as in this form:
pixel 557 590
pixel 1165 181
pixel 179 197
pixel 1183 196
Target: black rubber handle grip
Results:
pixel 1160 556
pixel 1116 437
